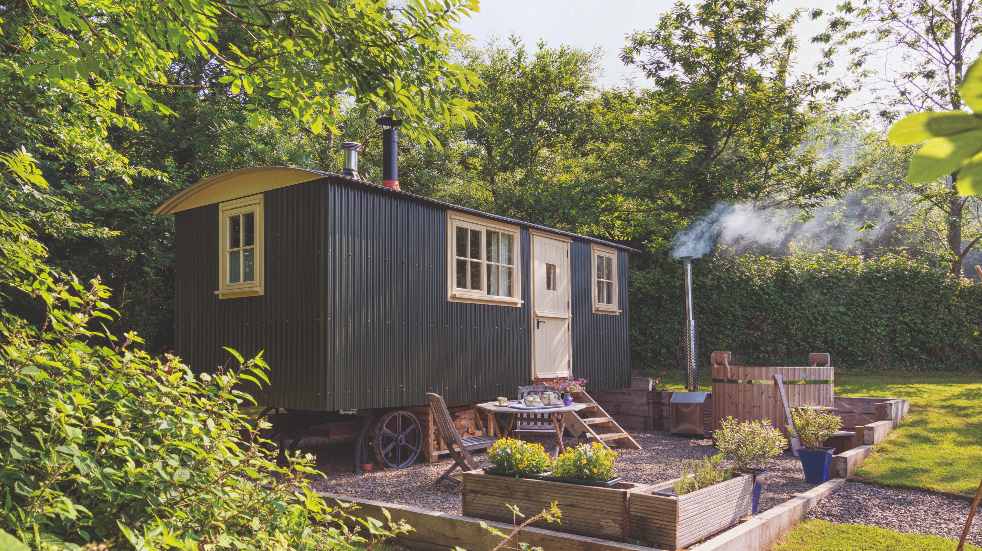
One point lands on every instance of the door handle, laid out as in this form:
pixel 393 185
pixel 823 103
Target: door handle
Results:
pixel 538 322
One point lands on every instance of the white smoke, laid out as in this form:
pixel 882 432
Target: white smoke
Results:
pixel 849 223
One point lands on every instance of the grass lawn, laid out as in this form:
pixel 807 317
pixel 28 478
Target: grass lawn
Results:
pixel 820 535
pixel 938 447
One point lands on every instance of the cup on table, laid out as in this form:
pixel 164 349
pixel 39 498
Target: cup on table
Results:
pixel 502 401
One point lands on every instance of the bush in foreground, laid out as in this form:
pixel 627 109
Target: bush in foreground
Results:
pixel 104 447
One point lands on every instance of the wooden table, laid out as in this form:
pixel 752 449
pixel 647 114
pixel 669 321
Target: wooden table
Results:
pixel 556 414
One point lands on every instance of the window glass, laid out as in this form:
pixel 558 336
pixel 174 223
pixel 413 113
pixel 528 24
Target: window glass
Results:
pixel 550 277
pixel 494 280
pixel 461 274
pixel 475 275
pixel 475 244
pixel 234 232
pixel 233 267
pixel 462 234
pixel 248 229
pixel 248 265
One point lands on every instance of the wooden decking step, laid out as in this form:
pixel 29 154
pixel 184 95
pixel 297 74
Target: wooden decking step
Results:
pixel 595 420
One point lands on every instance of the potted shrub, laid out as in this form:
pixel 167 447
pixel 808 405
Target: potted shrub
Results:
pixel 750 445
pixel 586 464
pixel 511 457
pixel 813 427
pixel 707 499
pixel 579 484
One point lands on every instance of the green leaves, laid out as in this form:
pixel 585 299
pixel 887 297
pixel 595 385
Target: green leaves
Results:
pixel 108 445
pixel 10 543
pixel 919 127
pixel 943 155
pixel 952 140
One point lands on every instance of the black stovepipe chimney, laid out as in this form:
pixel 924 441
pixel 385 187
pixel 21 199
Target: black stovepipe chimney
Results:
pixel 390 151
pixel 691 356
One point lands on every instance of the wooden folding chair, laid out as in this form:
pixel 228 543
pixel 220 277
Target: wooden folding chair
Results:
pixel 460 448
pixel 537 426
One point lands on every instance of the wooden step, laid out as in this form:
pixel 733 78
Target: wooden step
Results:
pixel 608 436
pixel 580 425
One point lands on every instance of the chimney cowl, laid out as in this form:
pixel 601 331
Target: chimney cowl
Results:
pixel 390 151
pixel 350 158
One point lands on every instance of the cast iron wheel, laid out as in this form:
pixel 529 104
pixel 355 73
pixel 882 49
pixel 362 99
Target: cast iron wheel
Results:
pixel 398 439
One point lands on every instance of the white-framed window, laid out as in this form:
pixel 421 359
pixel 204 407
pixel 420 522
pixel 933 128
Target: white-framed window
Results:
pixel 240 238
pixel 483 260
pixel 604 267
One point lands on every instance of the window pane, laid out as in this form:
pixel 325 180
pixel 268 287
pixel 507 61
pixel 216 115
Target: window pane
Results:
pixel 493 246
pixel 506 249
pixel 610 293
pixel 475 275
pixel 493 283
pixel 600 292
pixel 600 267
pixel 462 234
pixel 550 277
pixel 609 268
pixel 248 229
pixel 233 267
pixel 461 274
pixel 475 244
pixel 506 282
pixel 248 265
pixel 234 231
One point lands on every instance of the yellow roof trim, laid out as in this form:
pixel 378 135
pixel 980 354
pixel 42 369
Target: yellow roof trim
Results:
pixel 235 184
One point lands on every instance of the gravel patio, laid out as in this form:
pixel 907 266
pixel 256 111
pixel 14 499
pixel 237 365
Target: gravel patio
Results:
pixel 660 459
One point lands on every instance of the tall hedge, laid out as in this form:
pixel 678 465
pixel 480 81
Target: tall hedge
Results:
pixel 886 312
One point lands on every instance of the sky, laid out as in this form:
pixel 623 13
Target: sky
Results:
pixel 587 24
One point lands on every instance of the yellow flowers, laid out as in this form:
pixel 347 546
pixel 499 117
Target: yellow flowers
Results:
pixel 586 462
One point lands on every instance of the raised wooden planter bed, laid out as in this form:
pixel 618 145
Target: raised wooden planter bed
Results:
pixel 587 510
pixel 672 522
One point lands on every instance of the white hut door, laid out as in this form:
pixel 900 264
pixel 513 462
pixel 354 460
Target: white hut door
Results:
pixel 551 351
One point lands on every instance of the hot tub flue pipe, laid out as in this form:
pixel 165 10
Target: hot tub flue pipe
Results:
pixel 691 358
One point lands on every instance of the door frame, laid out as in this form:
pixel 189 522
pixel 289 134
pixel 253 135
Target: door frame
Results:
pixel 532 286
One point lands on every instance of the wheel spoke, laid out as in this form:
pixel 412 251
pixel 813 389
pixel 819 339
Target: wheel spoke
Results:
pixel 408 431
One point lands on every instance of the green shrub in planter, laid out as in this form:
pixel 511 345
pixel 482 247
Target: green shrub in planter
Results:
pixel 513 457
pixel 590 462
pixel 749 444
pixel 815 426
pixel 701 473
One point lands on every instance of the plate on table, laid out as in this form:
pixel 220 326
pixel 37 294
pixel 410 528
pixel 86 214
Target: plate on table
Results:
pixel 521 405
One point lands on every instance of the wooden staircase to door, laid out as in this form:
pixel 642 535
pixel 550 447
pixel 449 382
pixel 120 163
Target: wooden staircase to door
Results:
pixel 597 425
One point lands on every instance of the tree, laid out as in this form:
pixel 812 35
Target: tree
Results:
pixel 123 103
pixel 732 119
pixel 930 43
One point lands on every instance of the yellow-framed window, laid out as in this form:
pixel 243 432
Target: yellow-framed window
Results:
pixel 241 247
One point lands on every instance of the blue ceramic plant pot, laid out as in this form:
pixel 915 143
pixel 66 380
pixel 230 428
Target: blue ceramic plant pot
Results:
pixel 758 489
pixel 816 463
